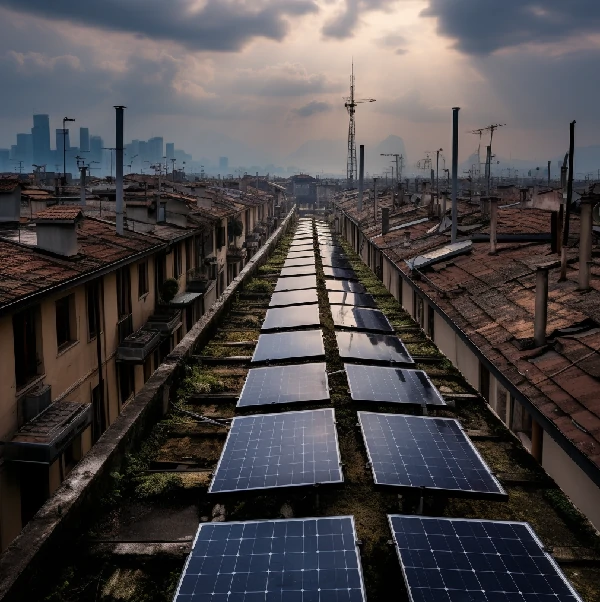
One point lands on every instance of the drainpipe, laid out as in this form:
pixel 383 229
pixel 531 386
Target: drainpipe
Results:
pixel 385 220
pixel 361 177
pixel 455 111
pixel 585 245
pixel 119 169
pixel 375 200
pixel 541 307
pixel 493 224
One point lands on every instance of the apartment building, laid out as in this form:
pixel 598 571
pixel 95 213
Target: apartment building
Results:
pixel 525 335
pixel 86 317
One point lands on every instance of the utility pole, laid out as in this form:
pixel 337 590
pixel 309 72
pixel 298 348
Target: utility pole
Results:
pixel 399 164
pixel 437 174
pixel 563 257
pixel 455 111
pixel 549 162
pixel 375 199
pixel 65 119
pixel 173 168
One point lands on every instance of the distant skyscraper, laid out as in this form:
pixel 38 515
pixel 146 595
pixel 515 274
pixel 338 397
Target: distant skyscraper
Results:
pixel 96 145
pixel 156 149
pixel 40 134
pixel 4 159
pixel 84 140
pixel 170 150
pixel 24 150
pixel 223 164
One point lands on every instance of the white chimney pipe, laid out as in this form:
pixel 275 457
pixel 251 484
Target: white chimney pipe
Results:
pixel 541 307
pixel 119 168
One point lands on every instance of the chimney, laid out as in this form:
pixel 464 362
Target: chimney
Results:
pixel 361 177
pixel 407 238
pixel 10 201
pixel 119 168
pixel 385 220
pixel 585 243
pixel 82 171
pixel 493 224
pixel 455 111
pixel 56 229
pixel 541 307
pixel 375 199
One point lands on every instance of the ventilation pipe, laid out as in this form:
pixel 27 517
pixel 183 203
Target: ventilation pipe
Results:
pixel 585 244
pixel 565 242
pixel 493 224
pixel 361 177
pixel 119 168
pixel 455 111
pixel 375 199
pixel 82 171
pixel 385 220
pixel 541 307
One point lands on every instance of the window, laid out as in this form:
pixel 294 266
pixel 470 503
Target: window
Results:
pixel 66 329
pixel 91 294
pixel 123 292
pixel 125 374
pixel 98 413
pixel 176 260
pixel 143 279
pixel 189 254
pixel 25 329
pixel 161 269
pixel 220 237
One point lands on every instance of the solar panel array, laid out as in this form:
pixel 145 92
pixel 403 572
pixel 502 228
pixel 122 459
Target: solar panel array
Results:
pixel 295 283
pixel 355 299
pixel 300 560
pixel 427 453
pixel 285 384
pixel 289 345
pixel 279 450
pixel 344 285
pixel 392 385
pixel 451 559
pixel 295 316
pixel 360 318
pixel 342 273
pixel 371 347
pixel 300 261
pixel 298 270
pixel 296 297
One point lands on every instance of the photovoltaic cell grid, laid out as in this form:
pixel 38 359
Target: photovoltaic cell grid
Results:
pixel 360 318
pixel 288 345
pixel 285 384
pixel 393 385
pixel 295 283
pixel 306 559
pixel 366 346
pixel 452 559
pixel 344 285
pixel 298 270
pixel 301 297
pixel 424 452
pixel 294 316
pixel 279 450
pixel 355 299
pixel 300 261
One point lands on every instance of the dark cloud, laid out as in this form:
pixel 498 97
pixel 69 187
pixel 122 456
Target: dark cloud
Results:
pixel 312 108
pixel 342 26
pixel 219 25
pixel 483 26
pixel 393 40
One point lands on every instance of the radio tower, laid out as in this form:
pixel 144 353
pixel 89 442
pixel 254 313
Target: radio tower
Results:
pixel 350 104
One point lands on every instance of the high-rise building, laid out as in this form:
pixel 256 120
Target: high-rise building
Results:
pixel 170 150
pixel 4 159
pixel 40 134
pixel 96 145
pixel 223 164
pixel 156 149
pixel 84 140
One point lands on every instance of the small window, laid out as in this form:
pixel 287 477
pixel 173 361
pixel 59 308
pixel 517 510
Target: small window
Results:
pixel 92 305
pixel 123 292
pixel 125 373
pixel 176 261
pixel 220 237
pixel 66 331
pixel 143 279
pixel 189 254
pixel 25 335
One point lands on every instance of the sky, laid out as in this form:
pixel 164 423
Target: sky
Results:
pixel 273 74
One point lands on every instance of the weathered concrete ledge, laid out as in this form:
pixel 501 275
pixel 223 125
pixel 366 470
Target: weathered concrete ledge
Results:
pixel 62 516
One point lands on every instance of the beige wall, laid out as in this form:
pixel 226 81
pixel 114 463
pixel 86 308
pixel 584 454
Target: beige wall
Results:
pixel 8 406
pixel 467 363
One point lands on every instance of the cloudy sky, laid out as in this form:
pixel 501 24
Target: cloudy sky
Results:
pixel 273 73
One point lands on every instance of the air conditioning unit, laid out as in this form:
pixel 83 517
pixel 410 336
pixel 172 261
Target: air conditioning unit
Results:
pixel 33 404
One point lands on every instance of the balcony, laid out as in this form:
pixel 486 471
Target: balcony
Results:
pixel 139 345
pixel 198 280
pixel 165 320
pixel 236 254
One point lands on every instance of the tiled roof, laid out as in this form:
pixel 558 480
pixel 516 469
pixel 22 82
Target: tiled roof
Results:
pixel 60 212
pixel 8 184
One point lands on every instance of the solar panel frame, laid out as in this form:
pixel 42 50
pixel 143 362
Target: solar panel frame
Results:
pixel 352 299
pixel 398 353
pixel 305 296
pixel 357 375
pixel 314 373
pixel 474 557
pixel 295 442
pixel 295 283
pixel 419 458
pixel 358 318
pixel 302 344
pixel 291 317
pixel 249 535
pixel 345 285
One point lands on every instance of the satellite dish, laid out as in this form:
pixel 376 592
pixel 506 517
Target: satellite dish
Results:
pixel 596 214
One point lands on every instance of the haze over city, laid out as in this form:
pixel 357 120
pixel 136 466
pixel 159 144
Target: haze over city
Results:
pixel 263 83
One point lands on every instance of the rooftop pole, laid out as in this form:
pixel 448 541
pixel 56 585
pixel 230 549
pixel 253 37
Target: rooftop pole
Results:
pixel 455 111
pixel 119 168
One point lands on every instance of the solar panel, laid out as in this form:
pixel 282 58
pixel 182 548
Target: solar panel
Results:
pixel 294 316
pixel 295 283
pixel 304 235
pixel 288 345
pixel 330 272
pixel 301 297
pixel 452 559
pixel 345 285
pixel 356 299
pixel 265 451
pixel 360 318
pixel 366 346
pixel 445 252
pixel 393 385
pixel 425 452
pixel 285 384
pixel 301 254
pixel 298 559
pixel 294 262
pixel 300 245
pixel 336 261
pixel 328 254
pixel 297 270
